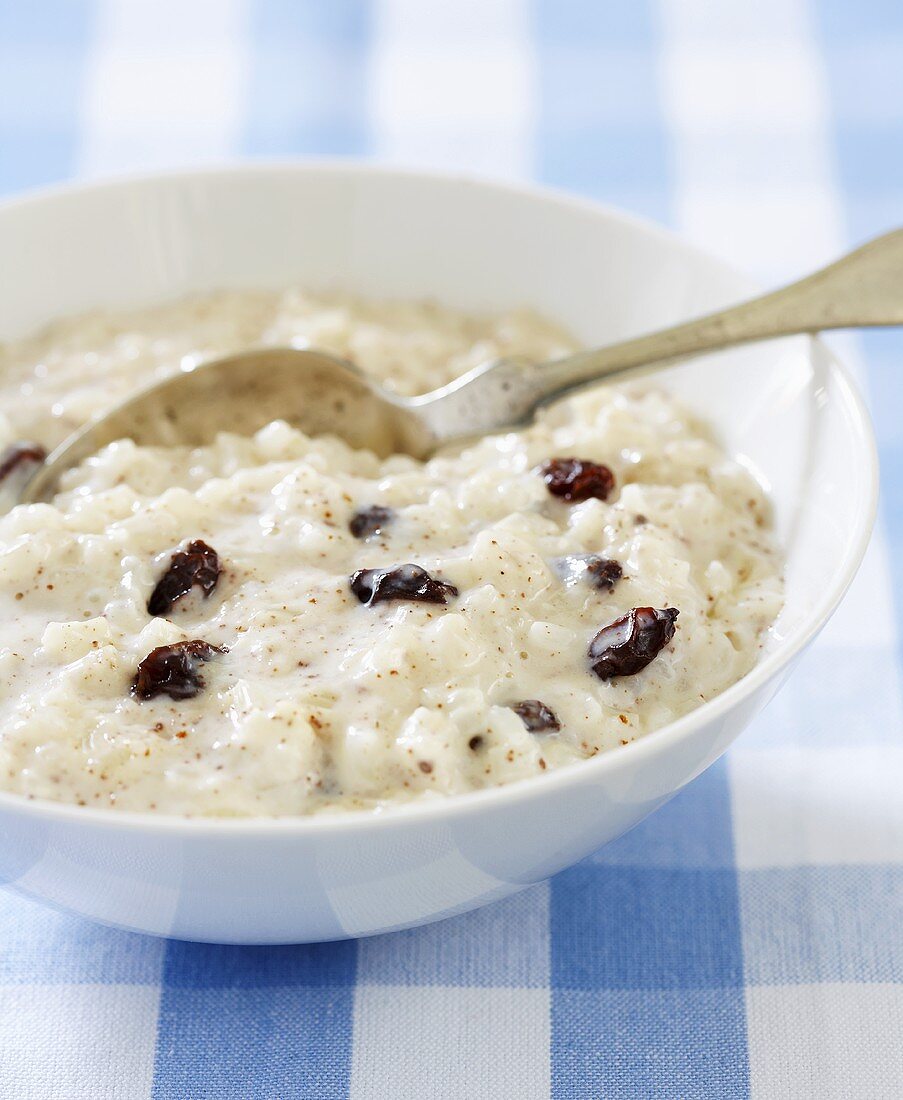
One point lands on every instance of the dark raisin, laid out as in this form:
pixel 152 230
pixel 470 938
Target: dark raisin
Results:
pixel 370 521
pixel 604 572
pixel 577 479
pixel 19 458
pixel 174 670
pixel 198 564
pixel 536 716
pixel 403 582
pixel 628 644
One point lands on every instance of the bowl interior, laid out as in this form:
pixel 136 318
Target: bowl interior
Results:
pixel 784 407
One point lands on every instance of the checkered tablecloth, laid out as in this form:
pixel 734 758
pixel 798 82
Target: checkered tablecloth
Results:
pixel 746 940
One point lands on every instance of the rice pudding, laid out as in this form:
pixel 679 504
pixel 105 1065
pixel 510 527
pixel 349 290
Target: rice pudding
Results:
pixel 281 625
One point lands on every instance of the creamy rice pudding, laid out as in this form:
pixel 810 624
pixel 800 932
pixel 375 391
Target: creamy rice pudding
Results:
pixel 282 625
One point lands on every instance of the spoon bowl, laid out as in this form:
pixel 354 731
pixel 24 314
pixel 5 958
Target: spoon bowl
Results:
pixel 313 390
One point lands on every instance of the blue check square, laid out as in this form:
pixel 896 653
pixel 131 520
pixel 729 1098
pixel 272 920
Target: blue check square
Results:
pixel 649 1044
pixel 641 928
pixel 247 1042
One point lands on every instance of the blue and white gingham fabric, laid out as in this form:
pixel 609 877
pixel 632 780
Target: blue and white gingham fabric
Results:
pixel 746 940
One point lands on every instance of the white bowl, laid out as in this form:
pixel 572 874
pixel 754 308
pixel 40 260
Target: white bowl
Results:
pixel 788 407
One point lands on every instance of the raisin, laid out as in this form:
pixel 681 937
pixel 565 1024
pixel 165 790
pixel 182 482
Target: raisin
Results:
pixel 403 582
pixel 18 457
pixel 628 644
pixel 577 479
pixel 197 565
pixel 605 572
pixel 370 521
pixel 536 716
pixel 174 670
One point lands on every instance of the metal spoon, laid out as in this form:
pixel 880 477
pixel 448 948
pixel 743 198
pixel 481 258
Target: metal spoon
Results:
pixel 320 393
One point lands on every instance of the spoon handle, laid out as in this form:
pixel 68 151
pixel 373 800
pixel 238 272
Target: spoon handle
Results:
pixel 862 289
